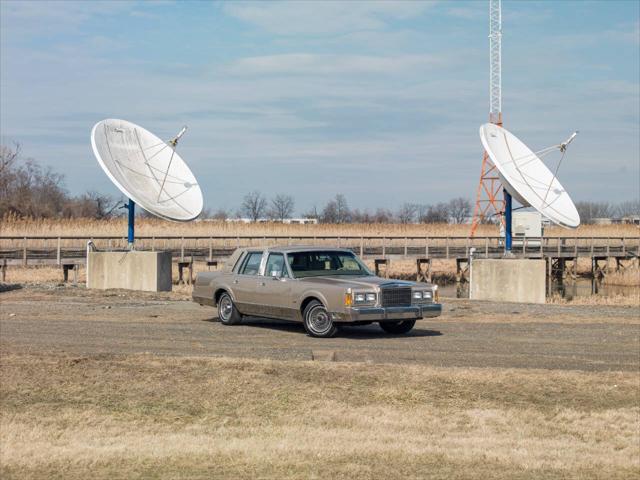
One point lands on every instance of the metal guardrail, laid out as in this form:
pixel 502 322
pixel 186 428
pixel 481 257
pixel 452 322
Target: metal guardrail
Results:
pixel 58 250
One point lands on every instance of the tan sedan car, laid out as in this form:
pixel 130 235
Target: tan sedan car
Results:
pixel 321 287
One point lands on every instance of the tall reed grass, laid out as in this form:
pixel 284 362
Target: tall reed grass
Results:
pixel 14 226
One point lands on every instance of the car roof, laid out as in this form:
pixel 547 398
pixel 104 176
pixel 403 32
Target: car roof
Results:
pixel 298 248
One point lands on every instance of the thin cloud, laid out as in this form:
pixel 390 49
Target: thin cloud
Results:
pixel 324 17
pixel 311 64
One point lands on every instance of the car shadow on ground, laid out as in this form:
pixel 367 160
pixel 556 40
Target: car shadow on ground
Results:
pixel 362 332
pixel 8 287
pixel 368 332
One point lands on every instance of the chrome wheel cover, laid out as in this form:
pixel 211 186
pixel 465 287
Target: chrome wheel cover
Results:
pixel 225 308
pixel 318 320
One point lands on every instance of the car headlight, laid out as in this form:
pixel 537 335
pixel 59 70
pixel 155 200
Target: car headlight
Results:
pixel 426 295
pixel 417 295
pixel 364 298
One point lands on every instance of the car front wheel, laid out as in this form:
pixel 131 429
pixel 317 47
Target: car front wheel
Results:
pixel 397 327
pixel 317 321
pixel 227 311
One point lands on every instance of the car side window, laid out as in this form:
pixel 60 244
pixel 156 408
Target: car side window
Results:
pixel 275 264
pixel 239 263
pixel 252 264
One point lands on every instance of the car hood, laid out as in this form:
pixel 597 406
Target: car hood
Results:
pixel 357 282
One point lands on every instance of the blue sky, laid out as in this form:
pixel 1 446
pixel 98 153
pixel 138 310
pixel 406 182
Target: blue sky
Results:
pixel 380 101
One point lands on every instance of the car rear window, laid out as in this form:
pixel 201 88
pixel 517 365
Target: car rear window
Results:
pixel 252 264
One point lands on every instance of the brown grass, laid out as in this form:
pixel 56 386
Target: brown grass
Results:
pixel 629 277
pixel 11 226
pixel 152 417
pixel 630 298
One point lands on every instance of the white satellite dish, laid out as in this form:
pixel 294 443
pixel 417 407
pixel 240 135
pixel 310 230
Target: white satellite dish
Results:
pixel 147 170
pixel 527 178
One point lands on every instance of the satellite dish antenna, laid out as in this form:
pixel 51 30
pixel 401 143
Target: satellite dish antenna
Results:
pixel 527 179
pixel 147 170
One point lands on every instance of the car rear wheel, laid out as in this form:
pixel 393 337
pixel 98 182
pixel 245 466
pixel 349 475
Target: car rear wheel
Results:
pixel 227 311
pixel 397 327
pixel 317 321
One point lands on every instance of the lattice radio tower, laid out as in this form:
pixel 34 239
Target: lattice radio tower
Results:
pixel 488 203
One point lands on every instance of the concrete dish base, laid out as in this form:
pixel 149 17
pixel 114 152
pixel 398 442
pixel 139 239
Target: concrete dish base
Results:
pixel 147 271
pixel 508 280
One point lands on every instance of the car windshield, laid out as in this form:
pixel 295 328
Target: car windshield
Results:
pixel 322 263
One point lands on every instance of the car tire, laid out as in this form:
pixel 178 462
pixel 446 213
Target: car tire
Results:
pixel 227 311
pixel 398 327
pixel 317 321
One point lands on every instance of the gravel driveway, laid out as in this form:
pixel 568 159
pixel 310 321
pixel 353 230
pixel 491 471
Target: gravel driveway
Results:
pixel 469 334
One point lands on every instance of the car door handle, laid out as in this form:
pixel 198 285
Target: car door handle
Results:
pixel 235 281
pixel 262 284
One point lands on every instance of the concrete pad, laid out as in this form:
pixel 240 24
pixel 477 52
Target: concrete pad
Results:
pixel 132 270
pixel 508 280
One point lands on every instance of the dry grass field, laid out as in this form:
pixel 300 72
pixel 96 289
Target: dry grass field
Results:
pixel 141 416
pixel 114 385
pixel 626 277
pixel 158 227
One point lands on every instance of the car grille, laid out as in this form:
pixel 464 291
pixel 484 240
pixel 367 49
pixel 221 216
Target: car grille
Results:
pixel 396 297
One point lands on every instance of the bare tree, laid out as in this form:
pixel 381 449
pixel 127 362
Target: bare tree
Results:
pixel 329 213
pixel 342 209
pixel 8 158
pixel 590 210
pixel 407 213
pixel 311 213
pixel 281 207
pixel 629 208
pixel 254 205
pixel 336 211
pixel 383 216
pixel 221 215
pixel 30 190
pixel 358 216
pixel 105 205
pixel 89 205
pixel 438 213
pixel 459 209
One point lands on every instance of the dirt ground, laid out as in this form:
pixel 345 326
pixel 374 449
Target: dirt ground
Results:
pixel 133 385
pixel 469 334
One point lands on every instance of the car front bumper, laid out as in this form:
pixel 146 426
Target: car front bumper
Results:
pixel 377 314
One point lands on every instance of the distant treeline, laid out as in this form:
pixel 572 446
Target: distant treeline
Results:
pixel 29 190
pixel 256 206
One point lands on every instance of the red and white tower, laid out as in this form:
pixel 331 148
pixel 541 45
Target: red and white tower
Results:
pixel 489 200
